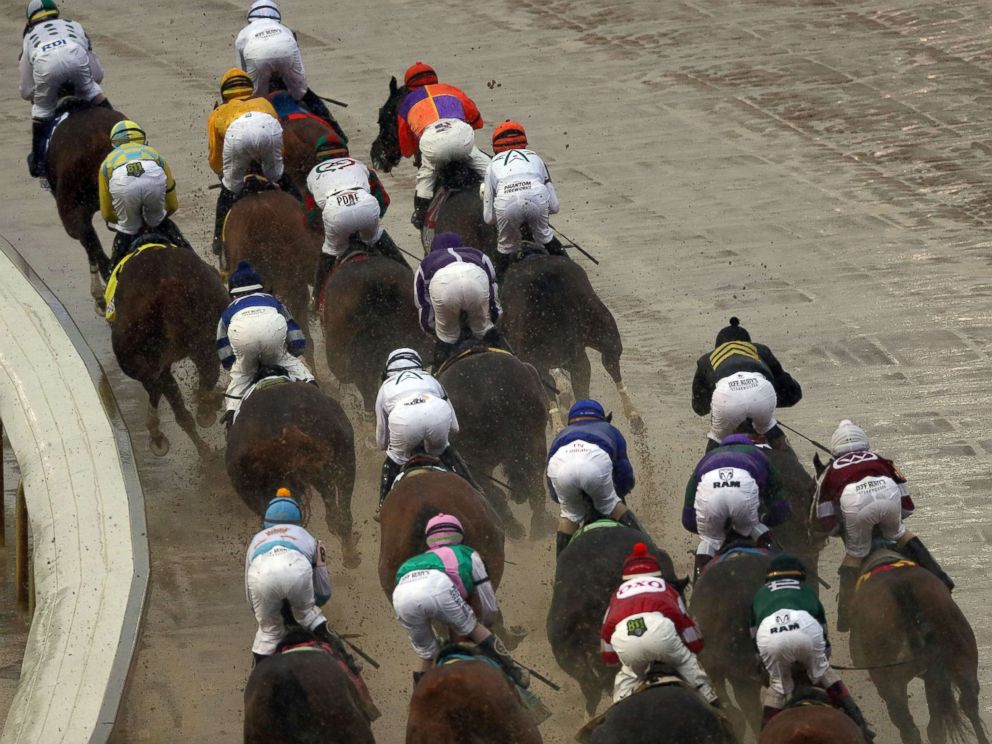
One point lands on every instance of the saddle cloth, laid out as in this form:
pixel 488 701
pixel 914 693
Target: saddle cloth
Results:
pixel 265 382
pixel 880 562
pixel 108 295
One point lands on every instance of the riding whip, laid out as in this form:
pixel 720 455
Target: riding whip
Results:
pixel 877 666
pixel 780 549
pixel 357 650
pixel 539 676
pixel 342 104
pixel 575 245
pixel 498 482
pixel 811 441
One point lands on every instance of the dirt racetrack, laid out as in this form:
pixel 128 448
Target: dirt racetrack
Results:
pixel 820 169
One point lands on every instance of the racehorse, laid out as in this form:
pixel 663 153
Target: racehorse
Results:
pixel 551 314
pixel 811 720
pixel 291 434
pixel 268 229
pixel 468 701
pixel 589 570
pixel 721 607
pixel 300 132
pixel 904 624
pixel 77 149
pixel 796 535
pixel 167 305
pixel 368 311
pixel 301 694
pixel 502 418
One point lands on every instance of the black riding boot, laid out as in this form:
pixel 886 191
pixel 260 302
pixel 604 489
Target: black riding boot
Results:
pixel 171 231
pixel 561 542
pixel 287 185
pixel 776 438
pixel 711 444
pixel 699 564
pixel 501 263
pixel 105 103
pixel 36 166
pixel 323 271
pixel 495 339
pixel 225 200
pixel 331 638
pixel 453 460
pixel 848 580
pixel 442 352
pixel 387 247
pixel 555 248
pixel 918 552
pixel 629 519
pixel 318 108
pixel 122 246
pixel 258 658
pixel 493 648
pixel 420 206
pixel 390 470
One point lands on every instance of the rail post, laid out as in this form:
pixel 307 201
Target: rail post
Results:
pixel 21 548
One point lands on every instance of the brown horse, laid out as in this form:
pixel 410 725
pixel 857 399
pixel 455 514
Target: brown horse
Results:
pixel 552 314
pixel 303 695
pixel 268 229
pixel 368 311
pixel 291 434
pixel 167 305
pixel 75 153
pixel 469 701
pixel 811 724
pixel 299 138
pixel 502 418
pixel 904 624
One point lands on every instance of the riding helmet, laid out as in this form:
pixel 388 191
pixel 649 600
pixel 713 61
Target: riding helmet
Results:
pixel 264 9
pixel 235 83
pixel 402 359
pixel 733 332
pixel 849 437
pixel 125 132
pixel 42 10
pixel 509 135
pixel 244 279
pixel 786 566
pixel 419 75
pixel 443 529
pixel 329 147
pixel 640 563
pixel 586 410
pixel 283 510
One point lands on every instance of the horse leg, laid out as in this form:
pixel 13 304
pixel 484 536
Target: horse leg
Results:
pixel 208 397
pixel 747 693
pixel 735 716
pixel 336 490
pixel 611 362
pixel 526 478
pixel 580 372
pixel 170 389
pixel 968 699
pixel 159 443
pixel 562 400
pixel 894 694
pixel 606 340
pixel 99 264
pixel 497 499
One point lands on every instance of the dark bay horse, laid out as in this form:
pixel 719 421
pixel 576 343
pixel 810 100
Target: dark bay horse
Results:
pixel 502 418
pixel 75 153
pixel 268 229
pixel 368 311
pixel 385 151
pixel 907 615
pixel 167 305
pixel 291 434
pixel 797 535
pixel 303 696
pixel 472 702
pixel 811 724
pixel 551 314
pixel 663 714
pixel 589 570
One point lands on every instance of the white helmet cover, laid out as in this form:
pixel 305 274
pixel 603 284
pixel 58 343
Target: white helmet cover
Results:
pixel 264 9
pixel 403 359
pixel 849 437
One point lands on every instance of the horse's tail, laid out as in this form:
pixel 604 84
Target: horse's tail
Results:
pixel 381 298
pixel 927 640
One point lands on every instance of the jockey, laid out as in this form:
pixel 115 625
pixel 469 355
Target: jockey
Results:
pixel 588 460
pixel 857 491
pixel 137 190
pixel 352 201
pixel 240 130
pixel 733 487
pixel 412 411
pixel 647 622
pixel 789 627
pixel 438 119
pixel 54 52
pixel 256 330
pixel 265 47
pixel 435 587
pixel 517 191
pixel 740 380
pixel 285 562
pixel 453 280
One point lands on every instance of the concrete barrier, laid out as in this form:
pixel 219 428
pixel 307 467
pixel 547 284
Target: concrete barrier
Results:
pixel 86 512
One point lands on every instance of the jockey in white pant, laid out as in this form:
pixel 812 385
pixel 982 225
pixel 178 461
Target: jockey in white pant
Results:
pixel 254 135
pixel 447 141
pixel 256 330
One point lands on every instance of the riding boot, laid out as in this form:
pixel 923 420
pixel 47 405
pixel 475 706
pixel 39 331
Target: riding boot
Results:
pixel 287 185
pixel 105 103
pixel 417 676
pixel 317 107
pixel 122 245
pixel 390 470
pixel 171 231
pixel 420 206
pixel 629 519
pixel 501 263
pixel 442 352
pixel 768 713
pixel 227 419
pixel 848 579
pixel 764 541
pixel 388 248
pixel 841 697
pixel 323 271
pixel 331 638
pixel 36 165
pixel 700 564
pixel 225 200
pixel 918 552
pixel 258 658
pixel 496 339
pixel 453 460
pixel 561 542
pixel 493 648
pixel 555 248
pixel 711 444
pixel 776 438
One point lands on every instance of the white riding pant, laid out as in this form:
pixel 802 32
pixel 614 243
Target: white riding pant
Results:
pixel 422 420
pixel 792 637
pixel 422 597
pixel 652 637
pixel 529 205
pixel 869 502
pixel 455 288
pixel 280 56
pixel 582 468
pixel 443 142
pixel 258 336
pixel 68 64
pixel 727 497
pixel 281 573
pixel 349 212
pixel 137 190
pixel 254 135
pixel 738 397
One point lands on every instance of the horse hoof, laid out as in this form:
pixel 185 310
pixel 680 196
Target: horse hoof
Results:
pixel 100 308
pixel 636 423
pixel 542 525
pixel 205 419
pixel 514 530
pixel 159 445
pixel 352 560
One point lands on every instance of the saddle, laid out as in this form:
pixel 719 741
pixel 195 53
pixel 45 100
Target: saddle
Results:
pixel 108 295
pixel 420 463
pixel 881 559
pixel 735 548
